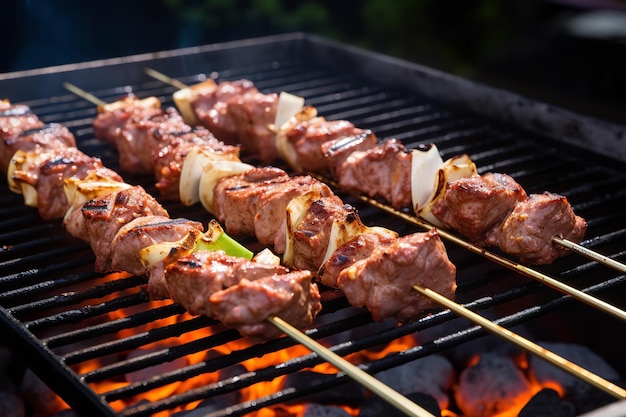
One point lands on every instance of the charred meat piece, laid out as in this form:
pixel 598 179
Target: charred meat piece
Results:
pixel 337 151
pixel 308 137
pixel 246 305
pixel 527 232
pixel 44 137
pixel 192 279
pixel 211 108
pixel 14 119
pixel 387 168
pixel 312 233
pixel 272 203
pixel 475 205
pixel 112 119
pixel 237 197
pixel 168 157
pixel 253 113
pixel 359 247
pixel 143 232
pixel 141 136
pixel 383 281
pixel 98 221
pixel 71 163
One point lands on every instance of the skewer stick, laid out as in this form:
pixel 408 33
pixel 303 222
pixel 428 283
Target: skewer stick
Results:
pixel 166 79
pixel 394 398
pixel 581 250
pixel 84 94
pixel 515 266
pixel 524 343
pixel 368 381
pixel 598 257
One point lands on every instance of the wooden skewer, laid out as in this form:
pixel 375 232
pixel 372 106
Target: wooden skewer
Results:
pixel 368 381
pixel 524 343
pixel 598 257
pixel 574 247
pixel 385 392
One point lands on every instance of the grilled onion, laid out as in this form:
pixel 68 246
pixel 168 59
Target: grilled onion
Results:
pixel 20 163
pixel 211 173
pixel 285 148
pixel 184 97
pixel 424 167
pixel 294 213
pixel 213 239
pixel 453 169
pixel 79 191
pixel 192 172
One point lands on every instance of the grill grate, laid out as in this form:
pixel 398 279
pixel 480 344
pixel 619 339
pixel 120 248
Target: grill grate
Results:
pixel 62 315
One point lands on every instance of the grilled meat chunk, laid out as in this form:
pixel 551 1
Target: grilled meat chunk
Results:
pixel 192 279
pixel 237 197
pixel 143 232
pixel 211 108
pixel 475 205
pixel 387 168
pixel 168 157
pixel 14 119
pixel 129 109
pixel 98 221
pixel 338 150
pixel 41 138
pixel 246 305
pixel 383 281
pixel 527 232
pixel 140 136
pixel 312 233
pixel 308 137
pixel 253 113
pixel 357 248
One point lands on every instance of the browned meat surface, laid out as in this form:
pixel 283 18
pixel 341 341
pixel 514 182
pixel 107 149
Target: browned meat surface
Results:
pixel 245 306
pixel 337 151
pixel 139 137
pixel 360 247
pixel 383 281
pixel 68 163
pixel 108 124
pixel 387 168
pixel 98 221
pixel 236 197
pixel 253 113
pixel 14 119
pixel 307 138
pixel 311 235
pixel 272 205
pixel 211 108
pixel 167 159
pixel 475 205
pixel 143 232
pixel 527 232
pixel 192 279
pixel 45 137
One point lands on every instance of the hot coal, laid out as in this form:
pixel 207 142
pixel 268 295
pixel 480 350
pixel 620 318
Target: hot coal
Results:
pixel 582 395
pixel 494 384
pixel 547 403
pixel 432 375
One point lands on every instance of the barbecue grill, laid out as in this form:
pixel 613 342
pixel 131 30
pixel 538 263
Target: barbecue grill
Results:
pixel 61 317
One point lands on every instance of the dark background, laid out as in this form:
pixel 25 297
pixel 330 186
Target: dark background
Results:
pixel 568 52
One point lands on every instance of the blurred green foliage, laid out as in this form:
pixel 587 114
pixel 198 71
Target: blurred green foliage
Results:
pixel 443 33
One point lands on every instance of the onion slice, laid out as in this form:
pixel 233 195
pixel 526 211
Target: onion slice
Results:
pixel 453 169
pixel 294 213
pixel 286 150
pixel 184 97
pixel 22 161
pixel 211 173
pixel 212 240
pixel 424 167
pixel 192 171
pixel 288 106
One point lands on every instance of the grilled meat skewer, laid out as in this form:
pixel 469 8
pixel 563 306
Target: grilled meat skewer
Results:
pixel 119 221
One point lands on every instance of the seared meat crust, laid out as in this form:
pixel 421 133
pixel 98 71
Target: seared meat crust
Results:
pixel 383 281
pixel 37 136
